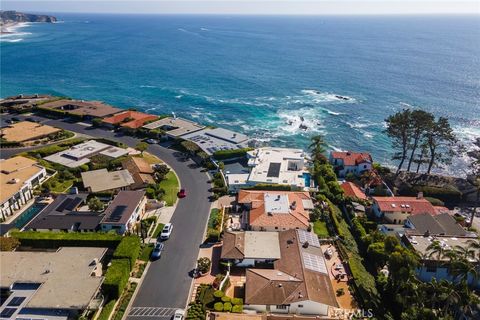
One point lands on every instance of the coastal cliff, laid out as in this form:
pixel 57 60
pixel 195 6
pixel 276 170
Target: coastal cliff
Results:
pixel 12 17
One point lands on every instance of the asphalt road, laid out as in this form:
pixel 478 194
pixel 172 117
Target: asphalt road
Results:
pixel 167 282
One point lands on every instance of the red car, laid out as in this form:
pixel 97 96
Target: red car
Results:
pixel 182 193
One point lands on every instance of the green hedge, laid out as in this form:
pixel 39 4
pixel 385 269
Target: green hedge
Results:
pixel 449 194
pixel 146 252
pixel 229 154
pixel 116 278
pixel 53 240
pixel 129 248
pixel 107 310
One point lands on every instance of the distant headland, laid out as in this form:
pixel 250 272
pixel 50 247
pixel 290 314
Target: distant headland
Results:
pixel 9 19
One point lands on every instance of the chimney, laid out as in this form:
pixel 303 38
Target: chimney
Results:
pixel 420 195
pixel 305 244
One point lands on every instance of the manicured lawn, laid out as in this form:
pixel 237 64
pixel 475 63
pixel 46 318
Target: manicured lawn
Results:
pixel 147 251
pixel 158 229
pixel 170 185
pixel 150 158
pixel 320 229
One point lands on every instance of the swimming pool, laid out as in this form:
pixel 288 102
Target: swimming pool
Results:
pixel 307 178
pixel 28 215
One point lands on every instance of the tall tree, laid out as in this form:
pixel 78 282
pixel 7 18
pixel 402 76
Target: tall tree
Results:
pixel 399 130
pixel 422 157
pixel 420 123
pixel 141 146
pixel 317 148
pixel 441 142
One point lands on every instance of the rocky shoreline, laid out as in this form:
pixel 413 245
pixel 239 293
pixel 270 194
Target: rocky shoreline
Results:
pixel 10 20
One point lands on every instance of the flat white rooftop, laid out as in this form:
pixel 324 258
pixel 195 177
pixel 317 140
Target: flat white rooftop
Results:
pixel 85 149
pixel 80 153
pixel 212 140
pixel 175 127
pixel 276 203
pixel 102 180
pixel 277 166
pixel 65 275
pixel 262 245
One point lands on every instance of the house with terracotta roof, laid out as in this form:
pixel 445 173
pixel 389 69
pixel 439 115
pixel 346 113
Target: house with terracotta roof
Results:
pixel 129 119
pixel 298 283
pixel 350 162
pixel 275 210
pixel 350 189
pixel 396 210
pixel 141 171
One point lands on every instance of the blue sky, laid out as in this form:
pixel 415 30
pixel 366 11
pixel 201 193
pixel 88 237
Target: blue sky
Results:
pixel 248 6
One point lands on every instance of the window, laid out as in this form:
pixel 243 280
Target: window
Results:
pixel 276 228
pixel 282 307
pixel 300 305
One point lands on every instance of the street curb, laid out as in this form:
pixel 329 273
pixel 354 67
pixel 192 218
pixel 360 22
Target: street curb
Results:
pixel 198 256
pixel 137 289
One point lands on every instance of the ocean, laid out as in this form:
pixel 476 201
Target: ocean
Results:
pixel 261 75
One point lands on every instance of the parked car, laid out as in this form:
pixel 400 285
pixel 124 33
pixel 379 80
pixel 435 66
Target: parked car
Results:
pixel 31 120
pixel 166 232
pixel 14 119
pixel 157 251
pixel 151 141
pixel 179 314
pixel 182 193
pixel 10 121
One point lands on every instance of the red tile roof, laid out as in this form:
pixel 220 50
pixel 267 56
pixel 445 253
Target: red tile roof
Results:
pixel 410 205
pixel 352 158
pixel 138 119
pixel 351 190
pixel 297 217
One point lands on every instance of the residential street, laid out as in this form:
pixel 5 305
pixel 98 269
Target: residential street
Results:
pixel 167 282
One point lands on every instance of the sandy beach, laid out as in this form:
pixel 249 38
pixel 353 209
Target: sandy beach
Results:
pixel 11 27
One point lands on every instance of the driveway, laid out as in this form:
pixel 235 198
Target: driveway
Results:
pixel 167 283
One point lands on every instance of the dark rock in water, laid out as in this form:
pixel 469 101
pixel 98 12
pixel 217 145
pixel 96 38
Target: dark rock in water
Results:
pixel 17 17
pixel 303 127
pixel 342 97
pixel 302 119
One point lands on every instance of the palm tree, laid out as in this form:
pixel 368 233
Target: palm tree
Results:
pixel 436 248
pixel 317 147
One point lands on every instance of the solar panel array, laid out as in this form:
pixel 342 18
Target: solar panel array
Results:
pixel 274 169
pixel 69 204
pixel 311 238
pixel 116 214
pixel 7 312
pixel 16 301
pixel 314 262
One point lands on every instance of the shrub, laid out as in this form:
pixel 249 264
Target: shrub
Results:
pixel 226 299
pixel 129 248
pixel 107 310
pixel 53 240
pixel 218 306
pixel 116 278
pixel 340 292
pixel 435 201
pixel 237 301
pixel 218 294
pixel 228 154
pixel 227 306
pixel 8 243
pixel 237 308
pixel 204 264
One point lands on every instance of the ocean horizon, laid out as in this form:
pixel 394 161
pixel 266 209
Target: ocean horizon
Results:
pixel 261 75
